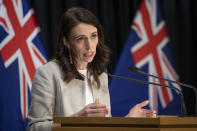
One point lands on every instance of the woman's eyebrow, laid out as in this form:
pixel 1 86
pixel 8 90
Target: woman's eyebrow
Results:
pixel 76 36
pixel 94 32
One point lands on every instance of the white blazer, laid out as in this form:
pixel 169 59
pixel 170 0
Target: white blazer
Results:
pixel 51 96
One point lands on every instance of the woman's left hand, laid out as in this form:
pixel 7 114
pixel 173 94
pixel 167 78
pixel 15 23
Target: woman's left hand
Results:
pixel 137 111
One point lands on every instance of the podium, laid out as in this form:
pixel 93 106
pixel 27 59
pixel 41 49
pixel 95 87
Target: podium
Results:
pixel 160 123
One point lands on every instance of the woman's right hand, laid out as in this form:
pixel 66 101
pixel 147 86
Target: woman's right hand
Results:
pixel 93 110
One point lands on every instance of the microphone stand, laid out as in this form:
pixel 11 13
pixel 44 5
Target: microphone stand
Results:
pixel 137 70
pixel 183 109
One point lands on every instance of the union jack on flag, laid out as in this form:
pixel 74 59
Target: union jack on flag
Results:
pixel 148 49
pixel 21 52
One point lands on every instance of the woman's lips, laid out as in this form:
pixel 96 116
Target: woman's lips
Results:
pixel 89 54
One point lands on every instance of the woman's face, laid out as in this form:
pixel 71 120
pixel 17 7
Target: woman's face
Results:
pixel 83 41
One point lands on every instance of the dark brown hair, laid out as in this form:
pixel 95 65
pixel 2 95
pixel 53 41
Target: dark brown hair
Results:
pixel 69 20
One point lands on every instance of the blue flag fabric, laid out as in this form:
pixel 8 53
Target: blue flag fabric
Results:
pixel 21 52
pixel 147 48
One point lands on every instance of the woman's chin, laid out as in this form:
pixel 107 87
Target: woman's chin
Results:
pixel 89 59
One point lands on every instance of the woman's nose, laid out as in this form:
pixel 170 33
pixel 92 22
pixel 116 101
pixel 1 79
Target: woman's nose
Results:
pixel 87 44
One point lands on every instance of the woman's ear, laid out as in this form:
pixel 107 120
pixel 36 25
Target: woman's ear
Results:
pixel 66 42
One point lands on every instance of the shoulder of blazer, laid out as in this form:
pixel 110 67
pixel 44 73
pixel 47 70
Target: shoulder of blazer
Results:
pixel 48 73
pixel 50 68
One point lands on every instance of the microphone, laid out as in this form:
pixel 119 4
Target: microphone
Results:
pixel 137 70
pixel 183 109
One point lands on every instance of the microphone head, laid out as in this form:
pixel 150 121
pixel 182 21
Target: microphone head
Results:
pixel 133 69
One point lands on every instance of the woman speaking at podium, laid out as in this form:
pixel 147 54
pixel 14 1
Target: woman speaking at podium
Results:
pixel 72 84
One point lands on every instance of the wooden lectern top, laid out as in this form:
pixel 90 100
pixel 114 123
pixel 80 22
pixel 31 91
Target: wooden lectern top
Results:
pixel 161 123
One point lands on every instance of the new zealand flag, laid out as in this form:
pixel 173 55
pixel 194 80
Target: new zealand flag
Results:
pixel 147 48
pixel 21 52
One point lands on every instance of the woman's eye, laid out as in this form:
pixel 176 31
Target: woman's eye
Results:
pixel 79 39
pixel 94 35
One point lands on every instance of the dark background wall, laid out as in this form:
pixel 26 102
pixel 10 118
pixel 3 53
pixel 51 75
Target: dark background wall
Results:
pixel 116 17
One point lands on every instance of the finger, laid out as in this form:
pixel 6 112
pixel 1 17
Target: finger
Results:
pixel 97 100
pixel 96 105
pixel 149 113
pixel 144 103
pixel 97 110
pixel 154 116
pixel 154 111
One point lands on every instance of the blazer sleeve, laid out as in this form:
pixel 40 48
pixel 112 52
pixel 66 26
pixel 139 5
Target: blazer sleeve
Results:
pixel 40 115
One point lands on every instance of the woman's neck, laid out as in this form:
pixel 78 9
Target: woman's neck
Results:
pixel 82 66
